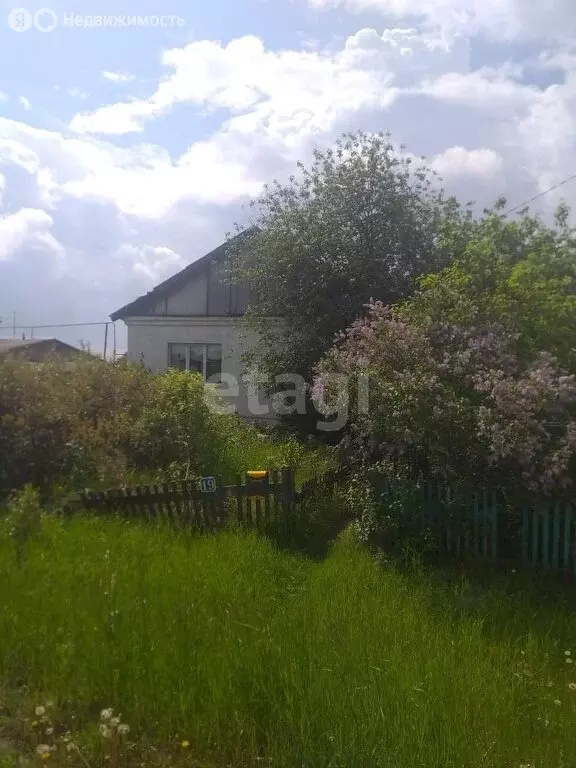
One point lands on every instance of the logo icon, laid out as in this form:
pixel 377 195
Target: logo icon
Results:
pixel 45 20
pixel 20 20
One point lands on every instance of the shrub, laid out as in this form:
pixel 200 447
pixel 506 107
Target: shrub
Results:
pixel 455 403
pixel 92 423
pixel 96 424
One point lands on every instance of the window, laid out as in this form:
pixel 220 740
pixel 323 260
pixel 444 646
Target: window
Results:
pixel 199 358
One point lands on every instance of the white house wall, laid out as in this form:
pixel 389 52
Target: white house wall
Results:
pixel 149 337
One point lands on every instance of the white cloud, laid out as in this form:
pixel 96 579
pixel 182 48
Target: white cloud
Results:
pixel 309 90
pixel 24 102
pixel 77 93
pixel 482 89
pixel 504 19
pixel 27 227
pixel 477 163
pixel 118 77
pixel 149 261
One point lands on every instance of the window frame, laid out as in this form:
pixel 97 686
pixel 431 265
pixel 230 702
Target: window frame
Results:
pixel 204 345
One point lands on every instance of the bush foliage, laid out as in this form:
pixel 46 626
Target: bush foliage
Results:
pixel 456 403
pixel 97 424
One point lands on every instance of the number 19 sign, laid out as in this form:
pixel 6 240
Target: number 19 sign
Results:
pixel 208 484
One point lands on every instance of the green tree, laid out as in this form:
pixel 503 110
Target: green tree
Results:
pixel 363 221
pixel 518 273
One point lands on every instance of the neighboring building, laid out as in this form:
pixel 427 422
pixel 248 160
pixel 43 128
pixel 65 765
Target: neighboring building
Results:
pixel 191 322
pixel 38 350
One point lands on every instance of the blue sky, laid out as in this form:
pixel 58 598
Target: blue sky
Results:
pixel 126 152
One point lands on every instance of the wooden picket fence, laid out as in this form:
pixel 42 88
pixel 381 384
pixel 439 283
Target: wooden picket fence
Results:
pixel 538 534
pixel 248 502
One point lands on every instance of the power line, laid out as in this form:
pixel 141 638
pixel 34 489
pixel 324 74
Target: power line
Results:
pixel 541 194
pixel 59 325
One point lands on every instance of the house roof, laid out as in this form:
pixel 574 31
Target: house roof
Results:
pixel 144 303
pixel 9 345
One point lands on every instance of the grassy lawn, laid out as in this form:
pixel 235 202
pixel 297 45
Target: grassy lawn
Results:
pixel 253 656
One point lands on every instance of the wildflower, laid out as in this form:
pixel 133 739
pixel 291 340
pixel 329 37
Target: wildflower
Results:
pixel 105 731
pixel 185 744
pixel 572 686
pixel 70 746
pixel 115 722
pixel 557 702
pixel 44 751
pixel 567 653
pixel 106 714
pixel 39 711
pixel 123 729
pixel 569 660
pixel 49 731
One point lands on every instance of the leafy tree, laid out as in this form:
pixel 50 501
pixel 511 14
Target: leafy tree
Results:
pixel 519 273
pixel 453 402
pixel 362 221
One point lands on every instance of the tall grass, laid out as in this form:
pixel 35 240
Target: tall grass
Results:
pixel 248 652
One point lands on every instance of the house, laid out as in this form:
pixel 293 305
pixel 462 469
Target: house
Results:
pixel 192 322
pixel 38 350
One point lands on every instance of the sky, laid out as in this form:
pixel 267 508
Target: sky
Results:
pixel 134 134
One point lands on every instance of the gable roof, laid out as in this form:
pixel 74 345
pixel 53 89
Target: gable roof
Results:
pixel 11 345
pixel 148 300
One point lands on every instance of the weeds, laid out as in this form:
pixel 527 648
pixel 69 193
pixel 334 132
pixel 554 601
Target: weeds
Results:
pixel 223 646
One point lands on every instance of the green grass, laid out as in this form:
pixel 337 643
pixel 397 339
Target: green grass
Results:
pixel 248 652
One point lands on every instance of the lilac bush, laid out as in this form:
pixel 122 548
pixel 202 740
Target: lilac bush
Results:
pixel 454 402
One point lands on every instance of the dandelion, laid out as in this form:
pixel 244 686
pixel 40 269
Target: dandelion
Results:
pixel 185 744
pixel 572 686
pixel 557 702
pixel 123 729
pixel 105 731
pixel 39 711
pixel 569 660
pixel 106 714
pixel 567 653
pixel 44 751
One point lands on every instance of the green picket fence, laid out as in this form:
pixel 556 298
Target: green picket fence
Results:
pixel 540 534
pixel 549 536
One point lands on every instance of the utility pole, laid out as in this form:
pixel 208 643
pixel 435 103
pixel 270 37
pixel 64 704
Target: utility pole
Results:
pixel 105 340
pixel 13 325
